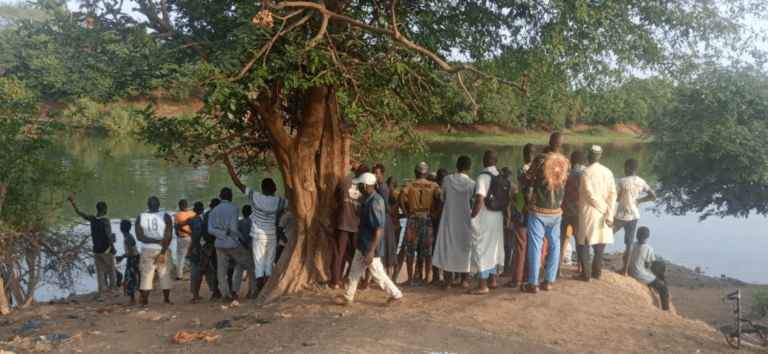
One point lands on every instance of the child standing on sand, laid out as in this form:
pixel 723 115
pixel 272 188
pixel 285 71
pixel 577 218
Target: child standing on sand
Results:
pixel 627 214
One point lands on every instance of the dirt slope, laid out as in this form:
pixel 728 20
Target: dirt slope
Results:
pixel 613 315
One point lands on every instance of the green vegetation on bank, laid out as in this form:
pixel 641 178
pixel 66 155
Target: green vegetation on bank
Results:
pixel 522 139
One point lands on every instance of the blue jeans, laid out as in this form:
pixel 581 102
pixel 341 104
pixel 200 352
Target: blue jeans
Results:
pixel 538 228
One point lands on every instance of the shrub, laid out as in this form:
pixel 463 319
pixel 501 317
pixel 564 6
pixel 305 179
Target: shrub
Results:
pixel 117 119
pixel 179 90
pixel 593 131
pixel 759 303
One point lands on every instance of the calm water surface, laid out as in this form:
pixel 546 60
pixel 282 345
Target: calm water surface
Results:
pixel 126 173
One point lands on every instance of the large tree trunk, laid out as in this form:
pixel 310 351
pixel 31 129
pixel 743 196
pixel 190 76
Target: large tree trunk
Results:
pixel 311 164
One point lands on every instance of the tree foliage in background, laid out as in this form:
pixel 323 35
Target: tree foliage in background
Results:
pixel 319 86
pixel 712 153
pixel 32 188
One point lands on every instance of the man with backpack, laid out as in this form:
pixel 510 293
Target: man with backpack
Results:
pixel 547 176
pixel 491 197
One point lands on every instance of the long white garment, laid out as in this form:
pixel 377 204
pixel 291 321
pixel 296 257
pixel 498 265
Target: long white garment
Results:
pixel 597 196
pixel 487 229
pixel 454 236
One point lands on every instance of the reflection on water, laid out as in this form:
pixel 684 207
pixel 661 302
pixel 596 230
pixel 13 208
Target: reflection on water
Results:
pixel 127 172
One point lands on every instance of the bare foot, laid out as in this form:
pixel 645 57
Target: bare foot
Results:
pixel 145 306
pixel 196 300
pixel 446 286
pixel 215 296
pixel 394 301
pixel 407 283
pixel 464 285
pixel 168 302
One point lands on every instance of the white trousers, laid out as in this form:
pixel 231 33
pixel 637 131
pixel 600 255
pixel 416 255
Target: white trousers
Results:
pixel 264 256
pixel 182 243
pixel 377 272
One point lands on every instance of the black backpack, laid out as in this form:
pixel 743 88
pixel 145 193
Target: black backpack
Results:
pixel 498 194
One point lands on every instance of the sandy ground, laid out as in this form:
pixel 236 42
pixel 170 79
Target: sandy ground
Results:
pixel 615 314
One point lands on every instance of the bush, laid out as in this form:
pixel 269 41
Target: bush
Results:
pixel 759 303
pixel 179 90
pixel 118 118
pixel 593 131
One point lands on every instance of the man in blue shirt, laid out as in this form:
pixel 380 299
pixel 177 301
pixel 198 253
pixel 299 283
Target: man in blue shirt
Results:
pixel 369 246
pixel 222 223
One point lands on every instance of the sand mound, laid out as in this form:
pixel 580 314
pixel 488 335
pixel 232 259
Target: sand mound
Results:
pixel 613 315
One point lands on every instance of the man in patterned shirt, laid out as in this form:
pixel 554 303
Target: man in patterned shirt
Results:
pixel 547 176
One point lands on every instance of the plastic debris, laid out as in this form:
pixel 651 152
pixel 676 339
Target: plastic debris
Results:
pixel 223 324
pixel 261 321
pixel 196 322
pixel 29 326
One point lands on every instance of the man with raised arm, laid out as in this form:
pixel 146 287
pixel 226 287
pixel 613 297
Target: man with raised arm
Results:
pixel 546 176
pixel 103 248
pixel 264 208
pixel 153 230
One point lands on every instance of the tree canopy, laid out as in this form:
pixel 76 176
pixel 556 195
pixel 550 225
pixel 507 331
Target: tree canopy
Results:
pixel 712 156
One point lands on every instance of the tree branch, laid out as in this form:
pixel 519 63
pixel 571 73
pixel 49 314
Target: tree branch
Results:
pixel 474 104
pixel 394 35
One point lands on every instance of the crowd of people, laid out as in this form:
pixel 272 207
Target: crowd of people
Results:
pixel 518 224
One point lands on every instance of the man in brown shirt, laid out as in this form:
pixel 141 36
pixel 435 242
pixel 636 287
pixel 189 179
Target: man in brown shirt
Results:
pixel 420 194
pixel 348 202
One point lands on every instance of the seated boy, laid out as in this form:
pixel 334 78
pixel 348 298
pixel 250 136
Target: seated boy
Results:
pixel 644 267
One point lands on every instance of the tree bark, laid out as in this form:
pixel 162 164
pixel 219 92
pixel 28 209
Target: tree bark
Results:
pixel 5 307
pixel 311 164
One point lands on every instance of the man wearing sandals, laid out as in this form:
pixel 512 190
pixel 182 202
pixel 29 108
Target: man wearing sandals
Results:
pixel 369 246
pixel 487 229
pixel 547 176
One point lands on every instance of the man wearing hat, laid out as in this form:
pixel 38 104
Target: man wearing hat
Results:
pixel 369 246
pixel 597 195
pixel 420 194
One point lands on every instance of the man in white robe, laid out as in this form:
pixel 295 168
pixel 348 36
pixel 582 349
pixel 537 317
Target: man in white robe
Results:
pixel 487 230
pixel 454 240
pixel 597 196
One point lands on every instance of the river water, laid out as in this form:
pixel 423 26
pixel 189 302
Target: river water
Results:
pixel 127 172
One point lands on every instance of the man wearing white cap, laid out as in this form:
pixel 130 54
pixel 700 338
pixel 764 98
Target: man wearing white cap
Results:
pixel 597 195
pixel 369 246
